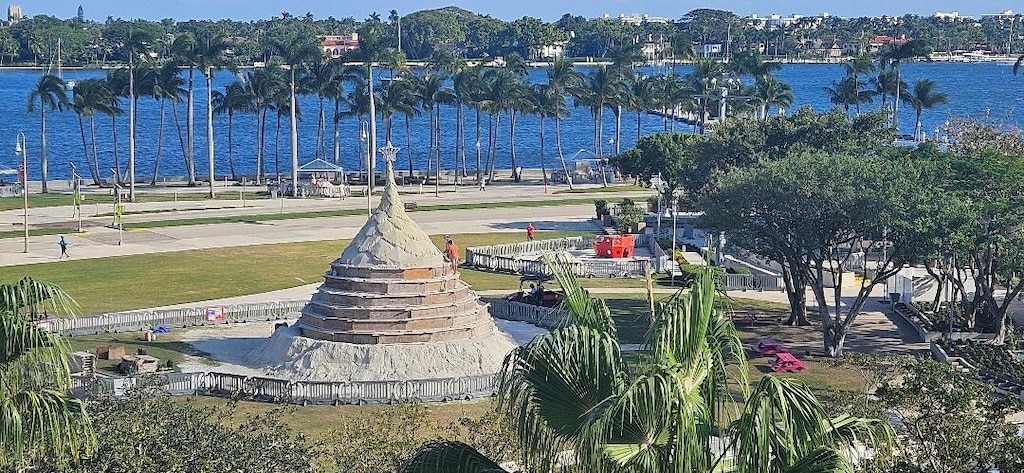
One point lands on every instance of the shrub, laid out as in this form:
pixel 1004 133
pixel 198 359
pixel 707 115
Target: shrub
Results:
pixel 600 207
pixel 739 270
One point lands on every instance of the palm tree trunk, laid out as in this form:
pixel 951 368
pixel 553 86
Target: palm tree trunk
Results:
pixel 896 102
pixel 277 150
pixel 181 141
pixel 558 144
pixel 856 89
pixel 209 127
pixel 618 128
pixel 917 126
pixel 462 138
pixel 295 139
pixel 494 156
pixel 95 153
pixel 638 112
pixel 512 140
pixel 478 175
pixel 408 143
pixel 231 151
pixel 159 146
pixel 85 146
pixel 543 169
pixel 132 104
pixel 337 135
pixel 190 126
pixel 321 130
pixel 437 153
pixel 261 135
pixel 117 161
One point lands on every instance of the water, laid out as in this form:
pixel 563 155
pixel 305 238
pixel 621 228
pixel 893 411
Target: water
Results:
pixel 973 89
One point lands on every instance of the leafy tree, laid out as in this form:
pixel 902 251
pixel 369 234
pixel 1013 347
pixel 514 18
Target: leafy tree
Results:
pixel 296 54
pixel 168 86
pixel 236 98
pixel 40 422
pixel 915 48
pixel 51 94
pixel 771 92
pixel 855 68
pixel 570 390
pixel 811 212
pixel 668 156
pixel 946 422
pixel 846 93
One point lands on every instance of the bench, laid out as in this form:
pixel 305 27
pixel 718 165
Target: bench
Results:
pixel 410 206
pixel 786 362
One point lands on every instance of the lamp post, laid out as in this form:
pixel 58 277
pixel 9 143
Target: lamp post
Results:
pixel 119 209
pixel 76 179
pixel 21 147
pixel 478 175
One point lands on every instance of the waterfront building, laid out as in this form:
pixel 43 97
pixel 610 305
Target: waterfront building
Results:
pixel 336 45
pixel 14 14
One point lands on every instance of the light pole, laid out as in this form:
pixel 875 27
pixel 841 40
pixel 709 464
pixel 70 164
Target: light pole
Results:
pixel 118 209
pixel 478 175
pixel 21 147
pixel 75 179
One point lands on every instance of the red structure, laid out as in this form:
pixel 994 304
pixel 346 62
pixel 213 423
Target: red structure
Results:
pixel 614 246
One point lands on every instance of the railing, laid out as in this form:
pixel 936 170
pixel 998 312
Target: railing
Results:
pixel 505 258
pixel 544 317
pixel 277 390
pixel 10 190
pixel 750 282
pixel 184 317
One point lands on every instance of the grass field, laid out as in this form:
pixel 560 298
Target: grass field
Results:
pixel 152 280
pixel 56 200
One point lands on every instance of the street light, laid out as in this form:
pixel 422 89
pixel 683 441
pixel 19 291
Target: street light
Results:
pixel 364 134
pixel 390 153
pixel 75 179
pixel 21 147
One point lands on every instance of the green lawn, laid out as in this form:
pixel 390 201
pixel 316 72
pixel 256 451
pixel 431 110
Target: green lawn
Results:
pixel 140 281
pixel 603 190
pixel 60 199
pixel 165 347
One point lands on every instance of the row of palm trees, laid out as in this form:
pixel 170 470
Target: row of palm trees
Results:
pixel 342 91
pixel 859 87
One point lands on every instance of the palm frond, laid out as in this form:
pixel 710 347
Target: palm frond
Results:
pixel 821 460
pixel 584 310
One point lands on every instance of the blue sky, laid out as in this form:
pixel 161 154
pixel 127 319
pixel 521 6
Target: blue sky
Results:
pixel 505 9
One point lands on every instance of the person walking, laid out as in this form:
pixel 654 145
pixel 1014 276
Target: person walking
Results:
pixel 531 231
pixel 483 183
pixel 63 248
pixel 451 251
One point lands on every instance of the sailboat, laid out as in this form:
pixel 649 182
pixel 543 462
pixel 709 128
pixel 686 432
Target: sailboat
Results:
pixel 70 84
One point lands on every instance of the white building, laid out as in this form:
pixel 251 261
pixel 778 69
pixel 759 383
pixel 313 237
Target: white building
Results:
pixel 549 51
pixel 711 49
pixel 997 16
pixel 637 19
pixel 947 15
pixel 14 14
pixel 336 45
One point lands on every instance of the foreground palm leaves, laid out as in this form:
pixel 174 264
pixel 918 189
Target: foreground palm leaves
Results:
pixel 37 417
pixel 684 404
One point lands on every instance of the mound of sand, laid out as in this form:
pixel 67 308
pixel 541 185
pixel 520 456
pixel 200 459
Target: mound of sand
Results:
pixel 287 354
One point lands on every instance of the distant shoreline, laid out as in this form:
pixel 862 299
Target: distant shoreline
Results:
pixel 471 62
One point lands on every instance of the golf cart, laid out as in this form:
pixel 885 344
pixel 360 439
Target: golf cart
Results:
pixel 531 291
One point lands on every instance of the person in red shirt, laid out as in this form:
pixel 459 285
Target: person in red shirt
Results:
pixel 451 251
pixel 530 231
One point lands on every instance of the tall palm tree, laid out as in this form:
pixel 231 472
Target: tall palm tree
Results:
pixel 296 53
pixel 50 92
pixel 116 82
pixel 464 82
pixel 236 98
pixel 884 86
pixel 88 94
pixel 772 92
pixel 373 48
pixel 706 77
pixel 168 86
pixel 320 78
pixel 563 78
pixel 41 420
pixel 504 91
pixel 264 84
pixel 208 55
pixel 924 97
pixel 432 94
pixel 749 63
pixel 857 67
pixel 845 94
pixel 546 102
pixel 602 88
pixel 347 75
pixel 895 57
pixel 642 97
pixel 184 53
pixel 135 47
pixel 569 390
pixel 402 93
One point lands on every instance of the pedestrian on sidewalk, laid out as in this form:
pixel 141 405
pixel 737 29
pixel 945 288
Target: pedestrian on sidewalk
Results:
pixel 483 183
pixel 531 231
pixel 63 248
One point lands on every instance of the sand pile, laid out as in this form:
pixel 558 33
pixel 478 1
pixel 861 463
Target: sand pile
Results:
pixel 286 354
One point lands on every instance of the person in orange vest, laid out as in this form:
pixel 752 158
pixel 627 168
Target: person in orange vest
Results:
pixel 530 231
pixel 451 251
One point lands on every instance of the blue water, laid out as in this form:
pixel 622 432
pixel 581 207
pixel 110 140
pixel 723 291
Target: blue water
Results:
pixel 974 89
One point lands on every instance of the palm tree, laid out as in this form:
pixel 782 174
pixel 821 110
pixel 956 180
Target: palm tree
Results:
pixel 373 48
pixel 336 92
pixel 265 84
pixel 749 63
pixel 88 94
pixel 602 88
pixel 296 53
pixel 705 79
pixel 137 44
pixel 168 86
pixel 184 50
pixel 914 48
pixel 570 390
pixel 321 78
pixel 772 92
pixel 562 78
pixel 857 67
pixel 236 98
pixel 642 97
pixel 40 420
pixel 432 94
pixel 504 91
pixel 209 54
pixel 884 86
pixel 845 93
pixel 116 82
pixel 51 93
pixel 924 97
pixel 546 102
pixel 402 92
pixel 464 83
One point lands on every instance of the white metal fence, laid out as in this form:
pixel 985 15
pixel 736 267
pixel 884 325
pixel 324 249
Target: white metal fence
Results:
pixel 545 317
pixel 507 258
pixel 184 317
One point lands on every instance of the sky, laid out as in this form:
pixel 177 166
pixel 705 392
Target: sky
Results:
pixel 507 10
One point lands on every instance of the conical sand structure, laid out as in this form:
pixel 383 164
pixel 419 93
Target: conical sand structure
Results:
pixel 390 307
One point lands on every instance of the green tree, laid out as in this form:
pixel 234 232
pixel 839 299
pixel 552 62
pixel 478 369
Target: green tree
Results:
pixel 210 54
pixel 88 95
pixel 296 54
pixel 771 92
pixel 563 78
pixel 668 155
pixel 236 98
pixel 857 67
pixel 895 57
pixel 50 92
pixel 41 422
pixel 846 93
pixel 168 86
pixel 923 97
pixel 265 85
pixel 570 390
